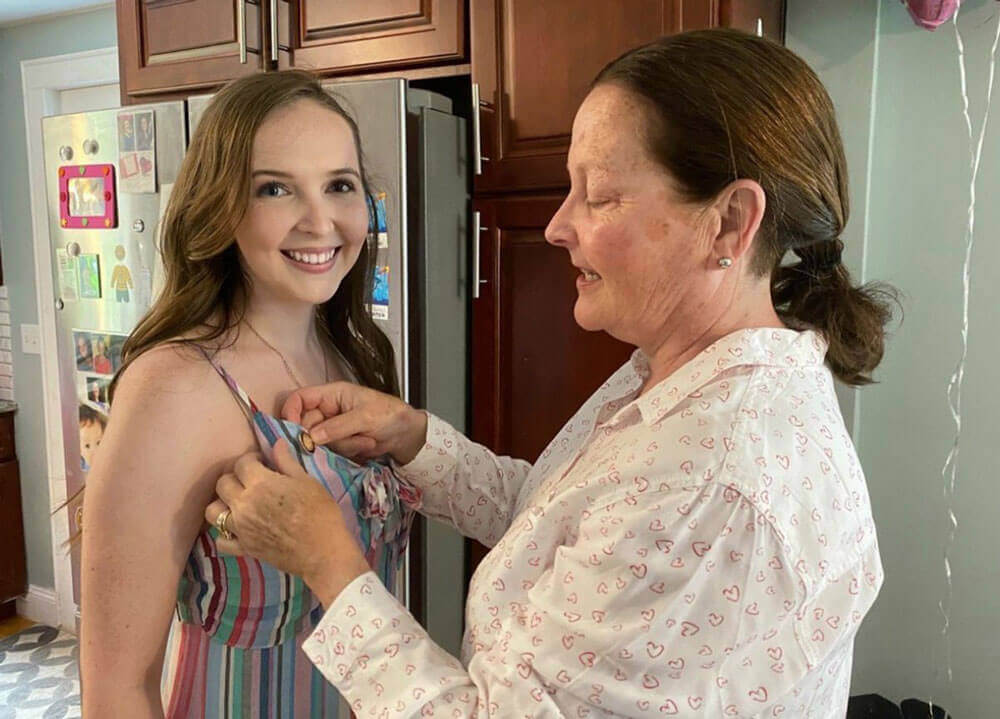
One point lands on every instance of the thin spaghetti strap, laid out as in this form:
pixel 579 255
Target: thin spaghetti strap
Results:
pixel 242 398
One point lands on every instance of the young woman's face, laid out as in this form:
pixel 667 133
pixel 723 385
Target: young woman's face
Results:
pixel 307 219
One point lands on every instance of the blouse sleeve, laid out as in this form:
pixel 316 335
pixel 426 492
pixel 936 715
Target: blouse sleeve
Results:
pixel 464 483
pixel 667 603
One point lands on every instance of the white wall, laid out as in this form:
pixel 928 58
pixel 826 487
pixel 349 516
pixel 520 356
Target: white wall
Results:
pixel 72 33
pixel 896 88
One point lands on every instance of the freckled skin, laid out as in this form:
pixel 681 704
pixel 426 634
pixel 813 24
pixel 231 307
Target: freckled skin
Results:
pixel 660 287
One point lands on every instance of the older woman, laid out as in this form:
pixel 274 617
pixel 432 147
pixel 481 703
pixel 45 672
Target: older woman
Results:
pixel 698 539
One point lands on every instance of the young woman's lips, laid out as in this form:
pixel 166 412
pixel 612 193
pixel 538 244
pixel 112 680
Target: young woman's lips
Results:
pixel 314 261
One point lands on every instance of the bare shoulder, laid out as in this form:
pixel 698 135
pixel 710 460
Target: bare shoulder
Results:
pixel 173 393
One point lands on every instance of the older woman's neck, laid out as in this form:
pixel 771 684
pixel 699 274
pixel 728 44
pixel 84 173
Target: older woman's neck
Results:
pixel 678 344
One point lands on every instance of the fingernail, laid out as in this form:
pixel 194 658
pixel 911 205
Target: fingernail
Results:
pixel 319 436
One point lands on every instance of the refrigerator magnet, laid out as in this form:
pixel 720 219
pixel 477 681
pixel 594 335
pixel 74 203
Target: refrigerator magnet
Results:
pixel 89 273
pixel 381 225
pixel 67 276
pixel 87 197
pixel 137 152
pixel 121 278
pixel 380 293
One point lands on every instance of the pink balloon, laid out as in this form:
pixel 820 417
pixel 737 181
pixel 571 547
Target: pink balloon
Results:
pixel 928 14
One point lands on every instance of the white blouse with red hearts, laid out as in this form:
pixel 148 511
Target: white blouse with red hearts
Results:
pixel 705 548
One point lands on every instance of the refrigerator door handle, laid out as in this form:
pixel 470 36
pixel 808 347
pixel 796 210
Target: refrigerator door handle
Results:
pixel 241 29
pixel 477 145
pixel 274 30
pixel 477 230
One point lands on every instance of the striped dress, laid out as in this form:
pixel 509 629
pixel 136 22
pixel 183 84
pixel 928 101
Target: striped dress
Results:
pixel 233 649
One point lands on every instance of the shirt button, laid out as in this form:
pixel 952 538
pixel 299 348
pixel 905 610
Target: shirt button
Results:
pixel 306 442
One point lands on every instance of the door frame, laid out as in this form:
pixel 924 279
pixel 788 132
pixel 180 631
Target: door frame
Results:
pixel 42 79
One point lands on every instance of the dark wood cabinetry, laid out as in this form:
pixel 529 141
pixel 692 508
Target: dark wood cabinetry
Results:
pixel 182 46
pixel 534 366
pixel 533 62
pixel 13 570
pixel 170 48
pixel 351 36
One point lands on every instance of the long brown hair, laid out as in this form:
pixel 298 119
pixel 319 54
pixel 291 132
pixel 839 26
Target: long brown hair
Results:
pixel 722 105
pixel 205 288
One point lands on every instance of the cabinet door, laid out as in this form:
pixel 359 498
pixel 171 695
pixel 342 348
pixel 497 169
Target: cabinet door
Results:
pixel 532 366
pixel 13 572
pixel 349 36
pixel 763 17
pixel 532 63
pixel 176 46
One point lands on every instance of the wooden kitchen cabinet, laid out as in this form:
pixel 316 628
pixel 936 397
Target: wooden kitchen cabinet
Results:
pixel 532 63
pixel 181 46
pixel 13 569
pixel 352 36
pixel 533 365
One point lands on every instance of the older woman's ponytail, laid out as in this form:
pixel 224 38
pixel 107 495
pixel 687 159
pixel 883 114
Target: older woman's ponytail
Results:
pixel 723 105
pixel 818 292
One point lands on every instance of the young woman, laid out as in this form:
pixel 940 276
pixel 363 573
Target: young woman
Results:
pixel 268 273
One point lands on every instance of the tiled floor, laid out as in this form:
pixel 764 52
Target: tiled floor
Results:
pixel 13 626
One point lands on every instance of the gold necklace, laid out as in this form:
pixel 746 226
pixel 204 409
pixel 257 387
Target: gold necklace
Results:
pixel 288 368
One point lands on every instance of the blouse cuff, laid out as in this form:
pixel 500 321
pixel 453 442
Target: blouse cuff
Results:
pixel 367 645
pixel 436 459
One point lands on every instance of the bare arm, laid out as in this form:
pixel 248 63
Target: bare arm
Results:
pixel 153 474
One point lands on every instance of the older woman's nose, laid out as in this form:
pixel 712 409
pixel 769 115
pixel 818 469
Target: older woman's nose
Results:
pixel 559 231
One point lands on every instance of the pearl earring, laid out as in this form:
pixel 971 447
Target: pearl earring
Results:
pixel 725 262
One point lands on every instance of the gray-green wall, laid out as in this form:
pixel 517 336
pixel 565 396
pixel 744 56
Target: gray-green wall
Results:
pixel 70 33
pixel 896 88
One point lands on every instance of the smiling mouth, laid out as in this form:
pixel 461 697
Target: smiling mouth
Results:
pixel 311 257
pixel 590 276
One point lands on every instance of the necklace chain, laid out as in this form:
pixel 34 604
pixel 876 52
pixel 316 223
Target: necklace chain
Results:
pixel 288 367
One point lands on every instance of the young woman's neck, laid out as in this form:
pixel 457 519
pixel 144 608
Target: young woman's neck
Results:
pixel 290 327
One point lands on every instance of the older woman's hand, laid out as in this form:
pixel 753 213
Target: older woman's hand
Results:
pixel 356 421
pixel 287 519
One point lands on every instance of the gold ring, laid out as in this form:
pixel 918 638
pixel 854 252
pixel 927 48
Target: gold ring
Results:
pixel 220 523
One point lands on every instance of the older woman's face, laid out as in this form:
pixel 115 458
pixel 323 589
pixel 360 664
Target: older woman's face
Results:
pixel 641 250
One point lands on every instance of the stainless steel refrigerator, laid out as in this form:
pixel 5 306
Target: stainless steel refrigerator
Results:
pixel 106 176
pixel 104 217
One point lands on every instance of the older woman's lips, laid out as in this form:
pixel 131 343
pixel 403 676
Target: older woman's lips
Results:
pixel 587 279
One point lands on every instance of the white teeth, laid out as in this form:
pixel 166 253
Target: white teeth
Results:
pixel 588 275
pixel 311 258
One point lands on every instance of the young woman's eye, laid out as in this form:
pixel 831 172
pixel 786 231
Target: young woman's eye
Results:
pixel 341 186
pixel 271 189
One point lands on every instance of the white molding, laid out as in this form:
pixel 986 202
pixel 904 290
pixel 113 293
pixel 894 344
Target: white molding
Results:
pixel 45 17
pixel 40 605
pixel 42 79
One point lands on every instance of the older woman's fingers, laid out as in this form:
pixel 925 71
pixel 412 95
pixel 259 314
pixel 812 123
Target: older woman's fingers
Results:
pixel 357 447
pixel 230 546
pixel 213 510
pixel 248 466
pixel 229 488
pixel 311 417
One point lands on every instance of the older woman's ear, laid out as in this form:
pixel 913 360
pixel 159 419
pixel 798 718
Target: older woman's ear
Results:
pixel 741 208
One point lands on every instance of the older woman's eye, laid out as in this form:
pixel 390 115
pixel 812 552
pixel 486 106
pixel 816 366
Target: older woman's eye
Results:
pixel 271 189
pixel 596 203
